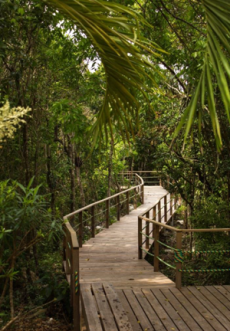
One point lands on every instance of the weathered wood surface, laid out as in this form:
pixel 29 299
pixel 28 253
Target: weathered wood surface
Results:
pixel 112 256
pixel 157 309
pixel 192 308
pixel 102 309
pixel 120 292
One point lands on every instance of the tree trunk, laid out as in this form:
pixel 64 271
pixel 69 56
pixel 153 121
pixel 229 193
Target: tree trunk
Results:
pixel 25 153
pixel 79 182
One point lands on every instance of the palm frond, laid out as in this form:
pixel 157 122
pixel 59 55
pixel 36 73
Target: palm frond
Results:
pixel 216 65
pixel 114 32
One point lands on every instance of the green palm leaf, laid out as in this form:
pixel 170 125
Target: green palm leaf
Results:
pixel 217 51
pixel 114 32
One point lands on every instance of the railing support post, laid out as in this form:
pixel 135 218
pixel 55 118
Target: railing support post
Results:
pixel 178 264
pixel 127 202
pixel 107 213
pixel 165 208
pixel 159 211
pixel 154 218
pixel 139 238
pixel 80 233
pixel 147 232
pixel 118 207
pixel 92 221
pixel 156 232
pixel 64 244
pixel 75 288
pixel 142 194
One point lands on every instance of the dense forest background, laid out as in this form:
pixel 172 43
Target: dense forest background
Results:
pixel 52 165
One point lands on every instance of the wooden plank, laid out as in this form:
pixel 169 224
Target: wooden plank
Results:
pixel 107 317
pixel 170 310
pixel 183 313
pixel 219 296
pixel 147 308
pixel 89 308
pixel 196 314
pixel 218 316
pixel 203 310
pixel 119 313
pixel 223 309
pixel 223 291
pixel 128 310
pixel 166 320
pixel 227 287
pixel 139 313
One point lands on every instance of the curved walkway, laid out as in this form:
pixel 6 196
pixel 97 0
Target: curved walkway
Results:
pixel 112 256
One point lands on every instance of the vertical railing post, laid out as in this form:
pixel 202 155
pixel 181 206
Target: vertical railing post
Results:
pixel 75 288
pixel 64 243
pixel 156 232
pixel 93 221
pixel 127 202
pixel 154 217
pixel 159 211
pixel 107 214
pixel 118 207
pixel 142 194
pixel 68 254
pixel 165 208
pixel 178 264
pixel 147 232
pixel 139 238
pixel 80 235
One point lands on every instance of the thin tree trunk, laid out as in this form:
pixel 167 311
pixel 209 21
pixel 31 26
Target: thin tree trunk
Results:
pixel 72 178
pixel 12 291
pixel 49 179
pixel 79 182
pixel 25 153
pixel 4 291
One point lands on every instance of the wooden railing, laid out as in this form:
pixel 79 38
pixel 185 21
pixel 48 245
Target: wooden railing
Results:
pixel 162 211
pixel 71 267
pixel 101 213
pixel 150 177
pixel 179 253
pixel 73 237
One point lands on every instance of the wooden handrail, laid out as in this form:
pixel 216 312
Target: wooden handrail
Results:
pixel 106 199
pixel 157 225
pixel 71 266
pixel 71 244
pixel 172 228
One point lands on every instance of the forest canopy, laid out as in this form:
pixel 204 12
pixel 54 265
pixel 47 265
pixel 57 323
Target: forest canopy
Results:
pixel 89 89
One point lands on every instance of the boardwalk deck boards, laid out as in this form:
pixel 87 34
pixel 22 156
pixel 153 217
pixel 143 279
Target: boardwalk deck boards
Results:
pixel 121 292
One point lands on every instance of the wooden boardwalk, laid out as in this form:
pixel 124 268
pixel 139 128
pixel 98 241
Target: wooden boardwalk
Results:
pixel 112 256
pixel 204 308
pixel 120 292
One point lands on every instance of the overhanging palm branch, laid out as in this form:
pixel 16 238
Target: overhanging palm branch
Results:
pixel 216 64
pixel 114 32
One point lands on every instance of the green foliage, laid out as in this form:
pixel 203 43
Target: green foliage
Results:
pixel 10 120
pixel 114 32
pixel 24 223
